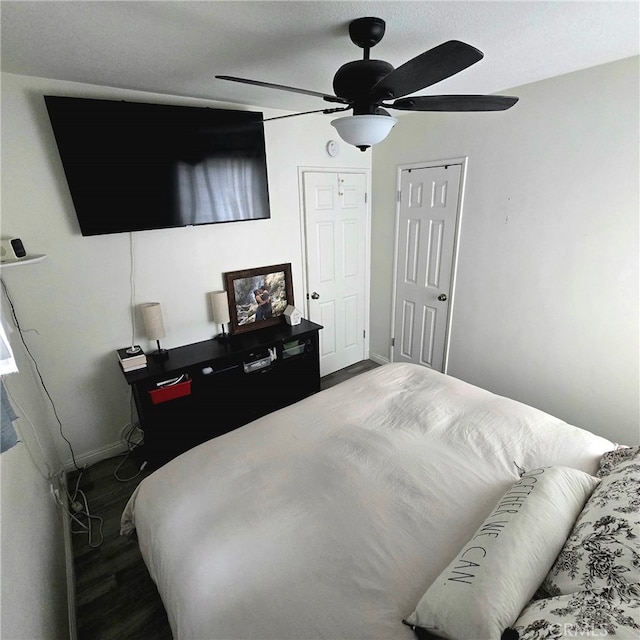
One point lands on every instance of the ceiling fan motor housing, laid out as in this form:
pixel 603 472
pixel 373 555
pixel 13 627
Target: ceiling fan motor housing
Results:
pixel 353 82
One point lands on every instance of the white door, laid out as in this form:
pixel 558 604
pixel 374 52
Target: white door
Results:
pixel 426 233
pixel 336 230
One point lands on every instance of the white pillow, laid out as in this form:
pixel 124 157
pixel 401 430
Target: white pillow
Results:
pixel 484 589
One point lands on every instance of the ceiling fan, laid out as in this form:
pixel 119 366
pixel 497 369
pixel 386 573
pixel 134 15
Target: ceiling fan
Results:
pixel 370 87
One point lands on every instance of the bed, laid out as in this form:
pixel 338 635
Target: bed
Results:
pixel 330 518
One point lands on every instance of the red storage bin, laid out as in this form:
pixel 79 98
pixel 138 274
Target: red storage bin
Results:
pixel 171 392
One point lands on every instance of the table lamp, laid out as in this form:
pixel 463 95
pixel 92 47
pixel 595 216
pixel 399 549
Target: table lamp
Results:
pixel 220 309
pixel 154 327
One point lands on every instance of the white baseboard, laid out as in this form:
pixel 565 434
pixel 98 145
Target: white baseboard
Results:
pixel 97 455
pixel 85 460
pixel 68 553
pixel 376 357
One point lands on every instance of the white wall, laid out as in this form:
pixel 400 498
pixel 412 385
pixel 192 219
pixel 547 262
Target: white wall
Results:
pixel 546 305
pixel 34 582
pixel 75 310
pixel 78 299
pixel 34 585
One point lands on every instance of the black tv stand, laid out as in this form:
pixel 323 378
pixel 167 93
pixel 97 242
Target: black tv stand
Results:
pixel 225 384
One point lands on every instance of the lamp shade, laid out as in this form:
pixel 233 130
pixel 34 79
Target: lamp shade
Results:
pixel 364 131
pixel 220 307
pixel 153 323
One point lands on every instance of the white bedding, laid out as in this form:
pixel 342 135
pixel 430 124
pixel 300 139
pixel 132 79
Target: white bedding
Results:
pixel 331 517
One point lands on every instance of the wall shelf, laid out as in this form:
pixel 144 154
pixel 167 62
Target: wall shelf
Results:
pixel 26 260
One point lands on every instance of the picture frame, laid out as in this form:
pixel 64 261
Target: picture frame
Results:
pixel 258 297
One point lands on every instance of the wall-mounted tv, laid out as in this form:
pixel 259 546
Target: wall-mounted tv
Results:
pixel 132 166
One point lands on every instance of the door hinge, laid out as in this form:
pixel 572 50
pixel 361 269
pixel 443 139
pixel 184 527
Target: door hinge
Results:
pixel 399 196
pixel 365 197
pixel 364 333
pixel 393 342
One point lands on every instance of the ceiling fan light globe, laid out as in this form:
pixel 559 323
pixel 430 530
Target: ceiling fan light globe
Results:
pixel 365 130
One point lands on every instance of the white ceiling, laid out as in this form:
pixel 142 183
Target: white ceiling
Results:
pixel 176 47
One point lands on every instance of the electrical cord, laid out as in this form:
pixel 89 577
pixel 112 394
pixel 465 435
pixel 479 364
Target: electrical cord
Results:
pixel 132 286
pixel 79 508
pixel 135 426
pixel 131 446
pixel 37 369
pixel 78 511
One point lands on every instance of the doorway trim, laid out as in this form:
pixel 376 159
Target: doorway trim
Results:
pixel 303 241
pixel 429 164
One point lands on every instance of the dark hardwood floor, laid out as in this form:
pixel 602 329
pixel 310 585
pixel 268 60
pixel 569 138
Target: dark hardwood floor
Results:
pixel 346 373
pixel 115 597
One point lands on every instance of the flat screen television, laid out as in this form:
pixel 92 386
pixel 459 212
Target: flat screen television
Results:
pixel 132 166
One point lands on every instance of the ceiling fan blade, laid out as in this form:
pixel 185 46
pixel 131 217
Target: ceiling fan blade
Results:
pixel 281 87
pixel 304 113
pixel 454 103
pixel 429 67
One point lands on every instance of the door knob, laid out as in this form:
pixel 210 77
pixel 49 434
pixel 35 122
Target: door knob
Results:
pixel 442 297
pixel 315 295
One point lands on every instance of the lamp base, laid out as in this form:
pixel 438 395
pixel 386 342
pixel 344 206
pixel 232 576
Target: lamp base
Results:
pixel 160 354
pixel 222 337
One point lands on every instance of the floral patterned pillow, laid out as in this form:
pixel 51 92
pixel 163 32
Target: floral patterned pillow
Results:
pixel 596 613
pixel 612 459
pixel 603 550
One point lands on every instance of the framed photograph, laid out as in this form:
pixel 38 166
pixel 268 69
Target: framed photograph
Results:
pixel 258 297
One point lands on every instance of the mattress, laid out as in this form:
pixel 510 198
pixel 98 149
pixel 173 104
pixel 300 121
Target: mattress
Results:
pixel 331 517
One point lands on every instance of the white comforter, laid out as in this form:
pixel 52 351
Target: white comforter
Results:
pixel 330 518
